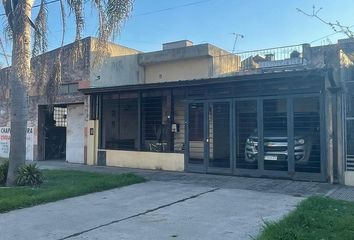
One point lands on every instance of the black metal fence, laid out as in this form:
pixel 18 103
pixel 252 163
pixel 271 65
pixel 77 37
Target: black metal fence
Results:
pixel 272 57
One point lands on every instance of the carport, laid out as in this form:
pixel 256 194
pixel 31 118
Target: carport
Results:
pixel 228 125
pixel 261 125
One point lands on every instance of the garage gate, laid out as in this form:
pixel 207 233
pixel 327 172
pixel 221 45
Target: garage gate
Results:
pixel 277 132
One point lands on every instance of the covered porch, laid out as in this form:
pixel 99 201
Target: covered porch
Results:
pixel 265 125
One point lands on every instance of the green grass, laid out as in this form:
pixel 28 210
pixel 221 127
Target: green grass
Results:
pixel 315 218
pixel 60 184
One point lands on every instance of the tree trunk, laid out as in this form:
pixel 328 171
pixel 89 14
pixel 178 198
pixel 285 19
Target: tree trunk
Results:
pixel 20 79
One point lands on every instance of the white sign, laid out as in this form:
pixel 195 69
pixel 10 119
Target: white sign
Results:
pixel 5 133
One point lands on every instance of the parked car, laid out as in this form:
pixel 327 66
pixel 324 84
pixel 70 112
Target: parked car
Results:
pixel 276 146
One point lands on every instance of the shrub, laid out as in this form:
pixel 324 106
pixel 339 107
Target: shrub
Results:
pixel 29 175
pixel 4 167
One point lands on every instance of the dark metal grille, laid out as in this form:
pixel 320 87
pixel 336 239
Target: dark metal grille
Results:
pixel 246 134
pixel 307 129
pixel 60 116
pixel 350 145
pixel 219 134
pixel 196 133
pixel 155 131
pixel 275 126
pixel 272 57
pixel 120 122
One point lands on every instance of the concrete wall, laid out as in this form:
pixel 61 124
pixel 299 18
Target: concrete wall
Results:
pixel 223 63
pixel 73 70
pixel 119 68
pixel 75 134
pixel 4 98
pixel 349 178
pixel 145 160
pixel 183 69
pixel 319 57
pixel 192 62
pixel 175 54
pixel 125 66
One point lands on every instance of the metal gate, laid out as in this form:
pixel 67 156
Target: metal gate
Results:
pixel 265 136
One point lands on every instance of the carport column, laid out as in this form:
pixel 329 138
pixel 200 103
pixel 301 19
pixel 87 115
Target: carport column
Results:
pixel 341 155
pixel 341 122
pixel 92 141
pixel 334 89
pixel 93 128
pixel 329 129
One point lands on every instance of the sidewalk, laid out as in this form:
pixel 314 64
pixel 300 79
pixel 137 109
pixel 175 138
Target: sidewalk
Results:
pixel 151 210
pixel 289 187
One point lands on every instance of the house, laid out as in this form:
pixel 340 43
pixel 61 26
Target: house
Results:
pixel 282 112
pixel 56 130
pixel 198 108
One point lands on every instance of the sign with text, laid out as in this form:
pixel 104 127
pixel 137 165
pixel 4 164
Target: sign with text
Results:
pixel 5 133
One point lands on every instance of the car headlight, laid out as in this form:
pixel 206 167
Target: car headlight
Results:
pixel 299 141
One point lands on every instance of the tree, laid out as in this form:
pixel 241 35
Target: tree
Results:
pixel 336 26
pixel 21 29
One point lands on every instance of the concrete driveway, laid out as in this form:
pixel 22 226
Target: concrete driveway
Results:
pixel 152 210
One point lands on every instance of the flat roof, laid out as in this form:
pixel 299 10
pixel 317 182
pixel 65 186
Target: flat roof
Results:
pixel 206 81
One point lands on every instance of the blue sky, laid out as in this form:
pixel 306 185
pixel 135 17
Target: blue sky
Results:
pixel 264 23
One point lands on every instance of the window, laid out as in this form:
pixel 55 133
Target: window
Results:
pixel 60 116
pixel 196 119
pixel 155 124
pixel 67 88
pixel 196 133
pixel 120 121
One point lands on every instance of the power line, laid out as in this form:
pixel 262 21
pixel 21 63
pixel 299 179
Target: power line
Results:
pixel 140 14
pixel 328 35
pixel 38 5
pixel 148 13
pixel 171 8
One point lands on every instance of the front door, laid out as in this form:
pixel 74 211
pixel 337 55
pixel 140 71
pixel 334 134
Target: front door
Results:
pixel 209 136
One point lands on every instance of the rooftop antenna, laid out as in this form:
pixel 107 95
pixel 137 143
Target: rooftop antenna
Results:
pixel 237 36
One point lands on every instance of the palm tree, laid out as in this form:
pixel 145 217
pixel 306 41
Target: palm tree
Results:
pixel 22 28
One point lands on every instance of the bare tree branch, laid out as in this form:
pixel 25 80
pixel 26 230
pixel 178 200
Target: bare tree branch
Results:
pixel 335 26
pixel 4 53
pixel 9 12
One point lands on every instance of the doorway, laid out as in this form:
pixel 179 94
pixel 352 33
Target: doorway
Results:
pixel 209 137
pixel 52 132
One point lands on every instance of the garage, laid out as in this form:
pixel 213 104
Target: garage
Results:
pixel 277 130
pixel 260 125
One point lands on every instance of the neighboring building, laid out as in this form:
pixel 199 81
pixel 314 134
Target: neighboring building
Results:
pixel 282 112
pixel 60 133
